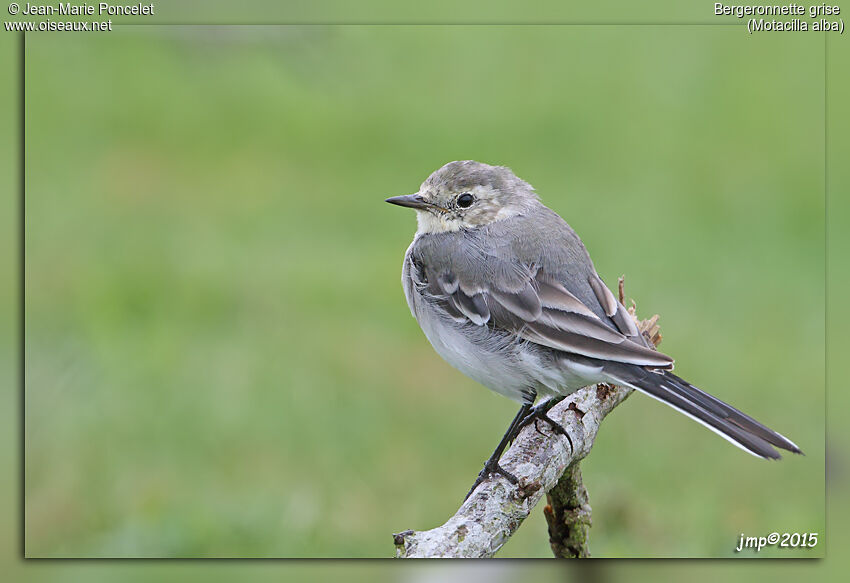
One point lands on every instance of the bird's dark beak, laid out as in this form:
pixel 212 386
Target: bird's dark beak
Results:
pixel 414 201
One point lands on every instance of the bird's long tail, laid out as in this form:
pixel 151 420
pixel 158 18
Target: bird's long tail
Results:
pixel 734 426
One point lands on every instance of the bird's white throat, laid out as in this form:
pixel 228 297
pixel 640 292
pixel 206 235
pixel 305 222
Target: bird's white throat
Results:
pixel 430 223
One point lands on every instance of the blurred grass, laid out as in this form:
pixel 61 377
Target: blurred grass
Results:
pixel 220 361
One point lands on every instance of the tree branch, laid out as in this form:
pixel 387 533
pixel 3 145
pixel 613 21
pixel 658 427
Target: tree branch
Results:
pixel 568 513
pixel 539 458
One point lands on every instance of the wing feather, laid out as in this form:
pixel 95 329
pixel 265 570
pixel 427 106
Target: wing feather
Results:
pixel 604 295
pixel 525 303
pixel 473 307
pixel 623 351
pixel 543 311
pixel 614 309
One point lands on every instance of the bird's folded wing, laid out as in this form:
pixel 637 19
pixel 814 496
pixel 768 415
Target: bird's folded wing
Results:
pixel 539 309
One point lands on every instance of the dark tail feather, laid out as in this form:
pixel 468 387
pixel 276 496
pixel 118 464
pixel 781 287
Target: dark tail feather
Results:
pixel 738 428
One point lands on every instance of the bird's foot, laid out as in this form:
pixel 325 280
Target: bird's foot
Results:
pixel 491 467
pixel 539 413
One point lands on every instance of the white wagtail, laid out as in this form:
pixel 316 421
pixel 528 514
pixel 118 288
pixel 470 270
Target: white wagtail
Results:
pixel 505 291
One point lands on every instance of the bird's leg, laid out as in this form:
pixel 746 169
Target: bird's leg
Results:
pixel 526 415
pixel 492 465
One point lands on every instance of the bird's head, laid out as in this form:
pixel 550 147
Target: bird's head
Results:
pixel 466 195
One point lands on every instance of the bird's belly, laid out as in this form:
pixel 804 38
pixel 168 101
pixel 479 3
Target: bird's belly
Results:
pixel 498 361
pixel 471 355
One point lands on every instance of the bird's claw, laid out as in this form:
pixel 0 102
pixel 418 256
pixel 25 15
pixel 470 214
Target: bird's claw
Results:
pixel 488 470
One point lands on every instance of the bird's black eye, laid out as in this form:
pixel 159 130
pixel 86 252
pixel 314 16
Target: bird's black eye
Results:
pixel 465 200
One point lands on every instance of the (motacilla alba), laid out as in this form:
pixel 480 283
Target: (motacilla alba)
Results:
pixel 506 292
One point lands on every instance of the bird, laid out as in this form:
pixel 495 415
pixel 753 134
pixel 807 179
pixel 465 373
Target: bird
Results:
pixel 506 292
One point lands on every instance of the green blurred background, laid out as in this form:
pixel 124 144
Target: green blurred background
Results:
pixel 219 357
